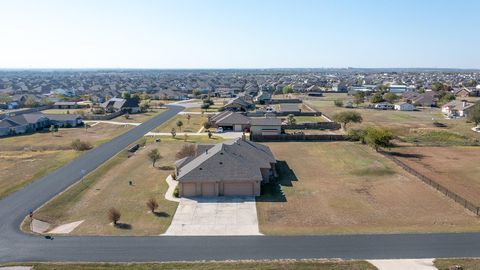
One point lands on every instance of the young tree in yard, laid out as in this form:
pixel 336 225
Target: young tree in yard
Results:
pixel 209 134
pixel 338 102
pixel 347 117
pixel 87 126
pixel 474 115
pixel 188 118
pixel 207 125
pixel 391 97
pixel 179 124
pixel 376 98
pixel 154 156
pixel 173 132
pixel 287 90
pixel 127 116
pixel 144 106
pixel 291 119
pixel 30 102
pixel 359 97
pixel 114 216
pixel 152 205
pixel 125 95
pixel 378 137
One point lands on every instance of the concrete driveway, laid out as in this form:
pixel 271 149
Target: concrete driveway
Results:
pixel 215 216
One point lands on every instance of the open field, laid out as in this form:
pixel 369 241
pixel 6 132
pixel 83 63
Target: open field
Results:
pixel 108 187
pixel 402 123
pixel 456 168
pixel 233 265
pixel 138 117
pixel 467 264
pixel 193 125
pixel 344 187
pixel 29 157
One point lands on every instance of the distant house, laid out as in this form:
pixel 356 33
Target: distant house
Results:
pixel 462 92
pixel 241 103
pixel 289 108
pixel 232 168
pixel 262 97
pixel 395 88
pixel 315 94
pixel 230 121
pixel 457 108
pixel 404 106
pixel 169 94
pixel 65 120
pixel 384 106
pixel 65 105
pixel 427 99
pixel 130 105
pixel 265 126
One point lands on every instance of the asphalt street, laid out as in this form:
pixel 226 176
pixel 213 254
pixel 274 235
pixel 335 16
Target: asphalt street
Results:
pixel 17 246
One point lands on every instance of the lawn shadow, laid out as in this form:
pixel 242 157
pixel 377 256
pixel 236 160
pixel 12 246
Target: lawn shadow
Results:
pixel 166 168
pixel 406 155
pixel 161 214
pixel 272 191
pixel 123 226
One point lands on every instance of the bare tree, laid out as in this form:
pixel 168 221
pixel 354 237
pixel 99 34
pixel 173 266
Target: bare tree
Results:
pixel 187 150
pixel 114 215
pixel 154 156
pixel 152 205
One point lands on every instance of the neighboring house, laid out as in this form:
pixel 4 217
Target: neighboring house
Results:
pixel 289 108
pixel 404 106
pixel 262 97
pixel 23 123
pixel 65 120
pixel 31 122
pixel 462 92
pixel 169 94
pixel 265 126
pixel 427 99
pixel 315 94
pixel 65 105
pixel 457 108
pixel 230 121
pixel 384 106
pixel 241 103
pixel 394 88
pixel 232 168
pixel 130 105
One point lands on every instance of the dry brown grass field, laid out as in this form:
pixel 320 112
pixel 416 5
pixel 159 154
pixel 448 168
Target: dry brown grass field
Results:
pixel 193 125
pixel 344 187
pixel 108 186
pixel 456 168
pixel 28 157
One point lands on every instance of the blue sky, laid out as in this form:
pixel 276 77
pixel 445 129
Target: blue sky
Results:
pixel 239 34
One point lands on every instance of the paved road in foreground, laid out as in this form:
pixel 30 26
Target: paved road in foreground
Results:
pixel 17 246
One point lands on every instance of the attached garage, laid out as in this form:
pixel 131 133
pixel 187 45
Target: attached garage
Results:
pixel 208 190
pixel 239 189
pixel 237 128
pixel 188 189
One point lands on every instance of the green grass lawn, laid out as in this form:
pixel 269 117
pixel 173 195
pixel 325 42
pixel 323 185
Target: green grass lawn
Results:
pixel 232 265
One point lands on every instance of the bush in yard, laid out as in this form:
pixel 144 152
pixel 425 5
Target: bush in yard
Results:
pixel 114 215
pixel 176 192
pixel 207 124
pixel 186 151
pixel 152 205
pixel 378 137
pixel 179 124
pixel 205 106
pixel 291 119
pixel 474 115
pixel 356 135
pixel 79 145
pixel 338 102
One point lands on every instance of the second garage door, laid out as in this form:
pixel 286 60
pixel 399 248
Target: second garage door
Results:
pixel 189 189
pixel 238 189
pixel 208 189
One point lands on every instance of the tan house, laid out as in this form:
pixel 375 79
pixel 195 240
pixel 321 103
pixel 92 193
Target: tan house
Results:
pixel 265 126
pixel 233 168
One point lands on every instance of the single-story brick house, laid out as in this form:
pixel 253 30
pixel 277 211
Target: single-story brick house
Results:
pixel 232 168
pixel 230 121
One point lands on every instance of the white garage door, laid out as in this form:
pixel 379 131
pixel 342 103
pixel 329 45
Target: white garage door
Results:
pixel 189 189
pixel 237 128
pixel 238 189
pixel 208 189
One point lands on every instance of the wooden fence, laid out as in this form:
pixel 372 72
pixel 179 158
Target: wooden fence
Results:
pixel 314 125
pixel 297 137
pixel 450 194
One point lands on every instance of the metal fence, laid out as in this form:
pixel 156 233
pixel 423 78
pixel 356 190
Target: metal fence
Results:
pixel 452 195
